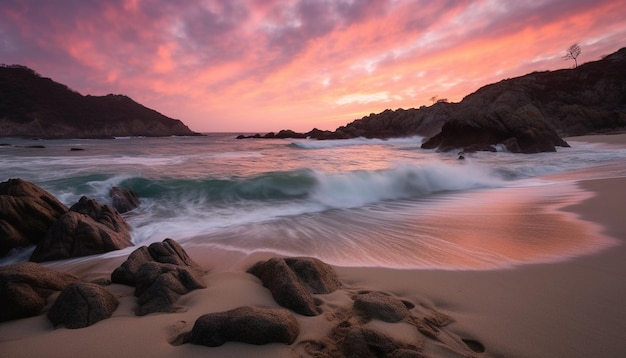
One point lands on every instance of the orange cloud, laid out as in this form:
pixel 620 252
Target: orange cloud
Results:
pixel 265 65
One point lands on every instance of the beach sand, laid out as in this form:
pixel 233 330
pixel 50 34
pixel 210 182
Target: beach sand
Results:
pixel 572 308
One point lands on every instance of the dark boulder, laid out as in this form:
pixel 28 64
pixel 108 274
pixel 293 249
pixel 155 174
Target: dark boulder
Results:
pixel 26 213
pixel 24 288
pixel 123 200
pixel 522 131
pixel 245 324
pixel 82 304
pixel 88 228
pixel 168 251
pixel 293 281
pixel 381 306
pixel 161 273
pixel 159 286
pixel 125 273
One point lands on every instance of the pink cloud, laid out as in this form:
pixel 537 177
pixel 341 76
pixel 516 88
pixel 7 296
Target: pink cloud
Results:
pixel 267 64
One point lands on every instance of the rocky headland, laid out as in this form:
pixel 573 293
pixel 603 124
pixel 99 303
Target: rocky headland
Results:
pixel 32 106
pixel 527 114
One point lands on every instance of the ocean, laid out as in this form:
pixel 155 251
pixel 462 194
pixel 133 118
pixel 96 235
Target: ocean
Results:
pixel 357 202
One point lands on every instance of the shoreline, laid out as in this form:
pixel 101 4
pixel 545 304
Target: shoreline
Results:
pixel 567 308
pixel 564 309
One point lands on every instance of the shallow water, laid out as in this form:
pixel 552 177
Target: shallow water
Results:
pixel 349 202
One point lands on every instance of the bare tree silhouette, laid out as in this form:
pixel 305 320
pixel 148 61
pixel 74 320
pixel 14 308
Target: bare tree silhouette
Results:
pixel 572 53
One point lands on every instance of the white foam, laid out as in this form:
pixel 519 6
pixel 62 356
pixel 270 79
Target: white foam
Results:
pixel 335 143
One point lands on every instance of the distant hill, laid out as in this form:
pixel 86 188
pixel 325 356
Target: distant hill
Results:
pixel 528 114
pixel 32 106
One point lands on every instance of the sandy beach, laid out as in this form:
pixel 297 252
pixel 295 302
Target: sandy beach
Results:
pixel 570 308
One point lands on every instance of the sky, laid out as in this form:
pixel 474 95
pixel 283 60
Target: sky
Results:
pixel 266 65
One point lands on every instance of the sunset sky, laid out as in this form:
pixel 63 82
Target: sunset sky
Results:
pixel 266 65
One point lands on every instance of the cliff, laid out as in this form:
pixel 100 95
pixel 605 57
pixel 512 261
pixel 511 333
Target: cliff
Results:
pixel 528 114
pixel 32 106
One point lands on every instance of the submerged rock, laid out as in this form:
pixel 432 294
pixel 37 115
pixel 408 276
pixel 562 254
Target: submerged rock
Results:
pixel 26 213
pixel 82 304
pixel 24 288
pixel 124 200
pixel 88 228
pixel 245 324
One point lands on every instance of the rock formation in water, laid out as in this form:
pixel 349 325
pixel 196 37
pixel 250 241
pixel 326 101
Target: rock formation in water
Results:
pixel 32 106
pixel 87 228
pixel 30 215
pixel 26 214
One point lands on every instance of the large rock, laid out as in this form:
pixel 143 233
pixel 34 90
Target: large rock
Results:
pixel 123 200
pixel 88 228
pixel 245 324
pixel 293 281
pixel 24 288
pixel 168 251
pixel 522 130
pixel 82 304
pixel 159 285
pixel 161 273
pixel 26 213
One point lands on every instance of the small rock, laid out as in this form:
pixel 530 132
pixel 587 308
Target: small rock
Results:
pixel 245 324
pixel 82 304
pixel 362 342
pixel 381 306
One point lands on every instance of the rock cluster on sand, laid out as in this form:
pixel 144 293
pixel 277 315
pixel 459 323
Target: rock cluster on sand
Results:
pixel 161 273
pixel 361 323
pixel 31 216
pixel 295 283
